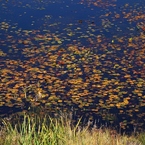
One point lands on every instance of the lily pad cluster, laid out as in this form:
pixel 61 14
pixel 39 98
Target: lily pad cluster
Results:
pixel 77 64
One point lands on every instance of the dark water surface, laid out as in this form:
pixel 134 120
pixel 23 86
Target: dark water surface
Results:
pixel 85 55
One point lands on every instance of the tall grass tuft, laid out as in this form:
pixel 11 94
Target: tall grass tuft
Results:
pixel 141 137
pixel 35 130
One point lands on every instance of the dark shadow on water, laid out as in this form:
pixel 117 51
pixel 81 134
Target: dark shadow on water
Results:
pixel 6 111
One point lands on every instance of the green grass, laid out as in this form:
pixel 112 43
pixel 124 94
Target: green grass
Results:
pixel 35 130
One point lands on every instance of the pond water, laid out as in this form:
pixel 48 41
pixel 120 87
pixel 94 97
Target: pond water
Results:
pixel 80 54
